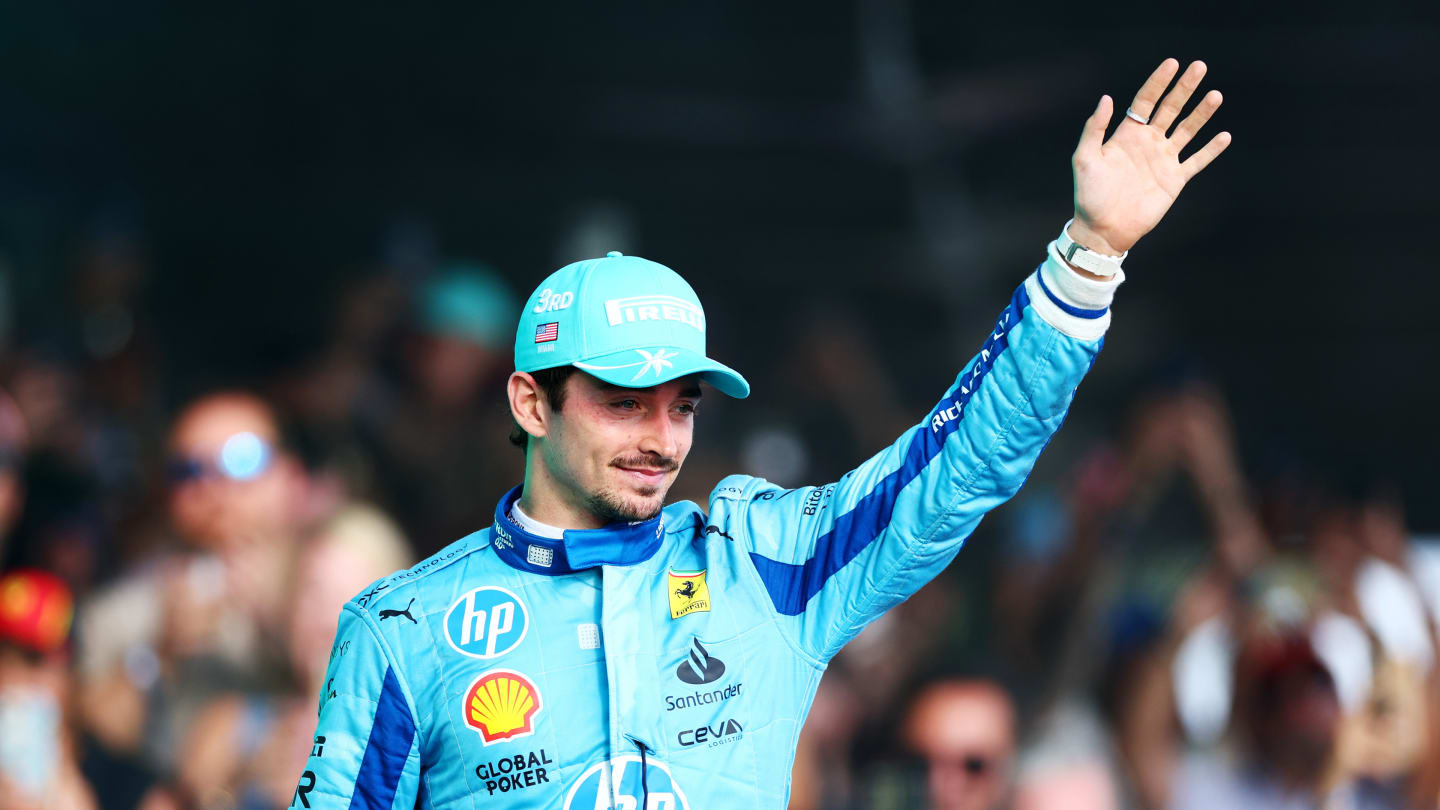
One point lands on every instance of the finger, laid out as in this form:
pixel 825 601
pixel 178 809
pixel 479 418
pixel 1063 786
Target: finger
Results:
pixel 1201 159
pixel 1093 134
pixel 1176 99
pixel 1196 119
pixel 1150 91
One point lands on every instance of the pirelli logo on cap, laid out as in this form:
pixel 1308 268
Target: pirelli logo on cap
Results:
pixel 688 593
pixel 654 308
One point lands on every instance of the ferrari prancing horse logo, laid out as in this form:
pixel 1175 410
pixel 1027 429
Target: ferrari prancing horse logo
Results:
pixel 688 593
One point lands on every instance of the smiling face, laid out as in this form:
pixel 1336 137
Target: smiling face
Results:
pixel 609 453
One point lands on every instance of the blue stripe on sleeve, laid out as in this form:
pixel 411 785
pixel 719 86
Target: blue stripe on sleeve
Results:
pixel 1069 309
pixel 386 750
pixel 792 586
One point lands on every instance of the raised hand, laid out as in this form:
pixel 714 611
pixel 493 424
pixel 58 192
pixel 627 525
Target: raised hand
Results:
pixel 1124 186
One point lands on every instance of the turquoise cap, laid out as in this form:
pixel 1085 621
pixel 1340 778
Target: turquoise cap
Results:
pixel 470 302
pixel 626 320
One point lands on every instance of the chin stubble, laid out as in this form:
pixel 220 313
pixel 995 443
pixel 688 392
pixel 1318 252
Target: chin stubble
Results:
pixel 610 508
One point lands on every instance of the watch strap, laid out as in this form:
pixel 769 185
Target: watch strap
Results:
pixel 1086 259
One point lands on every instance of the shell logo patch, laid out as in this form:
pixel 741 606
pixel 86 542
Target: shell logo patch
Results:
pixel 501 705
pixel 688 593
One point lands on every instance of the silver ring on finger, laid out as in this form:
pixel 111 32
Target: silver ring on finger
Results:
pixel 1136 117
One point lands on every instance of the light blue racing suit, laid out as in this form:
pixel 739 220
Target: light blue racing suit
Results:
pixel 670 664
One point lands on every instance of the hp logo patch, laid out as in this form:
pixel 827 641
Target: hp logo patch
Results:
pixel 594 792
pixel 486 623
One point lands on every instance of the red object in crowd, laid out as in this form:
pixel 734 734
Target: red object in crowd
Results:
pixel 36 610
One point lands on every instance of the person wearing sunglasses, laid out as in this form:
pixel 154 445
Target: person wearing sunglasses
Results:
pixel 964 732
pixel 193 619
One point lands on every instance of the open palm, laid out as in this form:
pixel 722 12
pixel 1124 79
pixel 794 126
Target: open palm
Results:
pixel 1124 186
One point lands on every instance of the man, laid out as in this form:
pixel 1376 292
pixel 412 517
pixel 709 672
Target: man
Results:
pixel 163 639
pixel 965 732
pixel 593 650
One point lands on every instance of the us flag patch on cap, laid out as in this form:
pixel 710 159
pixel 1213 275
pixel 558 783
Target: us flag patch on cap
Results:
pixel 546 332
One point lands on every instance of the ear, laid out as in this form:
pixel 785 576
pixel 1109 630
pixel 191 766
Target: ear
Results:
pixel 531 411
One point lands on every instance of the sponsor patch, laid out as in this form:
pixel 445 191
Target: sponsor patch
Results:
pixel 551 301
pixel 501 705
pixel 487 622
pixel 642 308
pixel 700 667
pixel 620 783
pixel 516 772
pixel 710 736
pixel 688 593
pixel 393 613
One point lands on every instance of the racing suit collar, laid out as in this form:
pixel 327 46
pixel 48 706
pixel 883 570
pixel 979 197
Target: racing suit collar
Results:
pixel 615 544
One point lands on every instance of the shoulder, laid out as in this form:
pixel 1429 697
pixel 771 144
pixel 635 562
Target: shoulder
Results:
pixel 391 588
pixel 738 491
pixel 733 488
pixel 683 518
pixel 735 492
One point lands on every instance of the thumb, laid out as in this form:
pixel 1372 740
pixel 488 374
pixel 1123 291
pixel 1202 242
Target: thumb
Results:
pixel 1093 134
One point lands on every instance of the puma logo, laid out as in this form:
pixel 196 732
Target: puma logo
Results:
pixel 709 530
pixel 390 614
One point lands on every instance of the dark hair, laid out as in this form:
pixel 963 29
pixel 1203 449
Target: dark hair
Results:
pixel 552 386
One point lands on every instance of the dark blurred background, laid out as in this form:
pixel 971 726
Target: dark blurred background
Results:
pixel 909 156
pixel 307 203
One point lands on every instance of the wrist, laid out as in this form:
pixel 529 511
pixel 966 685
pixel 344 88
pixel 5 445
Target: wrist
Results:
pixel 1092 240
pixel 1078 249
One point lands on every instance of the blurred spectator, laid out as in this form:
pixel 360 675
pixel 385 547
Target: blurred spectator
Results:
pixel 195 619
pixel 1070 764
pixel 12 458
pixel 965 731
pixel 445 454
pixel 39 763
pixel 1287 717
pixel 244 750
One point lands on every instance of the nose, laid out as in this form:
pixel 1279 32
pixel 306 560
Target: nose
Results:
pixel 659 435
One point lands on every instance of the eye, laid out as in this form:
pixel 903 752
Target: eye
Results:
pixel 686 408
pixel 627 404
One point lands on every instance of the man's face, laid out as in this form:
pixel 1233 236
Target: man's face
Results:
pixel 965 733
pixel 615 451
pixel 228 482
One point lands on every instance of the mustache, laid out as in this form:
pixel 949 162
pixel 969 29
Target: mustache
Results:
pixel 652 463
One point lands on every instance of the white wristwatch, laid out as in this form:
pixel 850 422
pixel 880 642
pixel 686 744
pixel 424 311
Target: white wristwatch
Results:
pixel 1085 258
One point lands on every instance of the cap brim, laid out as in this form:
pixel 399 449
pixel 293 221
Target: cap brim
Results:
pixel 642 368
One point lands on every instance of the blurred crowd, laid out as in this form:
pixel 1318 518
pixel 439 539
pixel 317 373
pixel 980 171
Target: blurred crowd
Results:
pixel 1155 631
pixel 1149 629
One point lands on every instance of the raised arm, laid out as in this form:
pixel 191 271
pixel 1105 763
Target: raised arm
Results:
pixel 835 557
